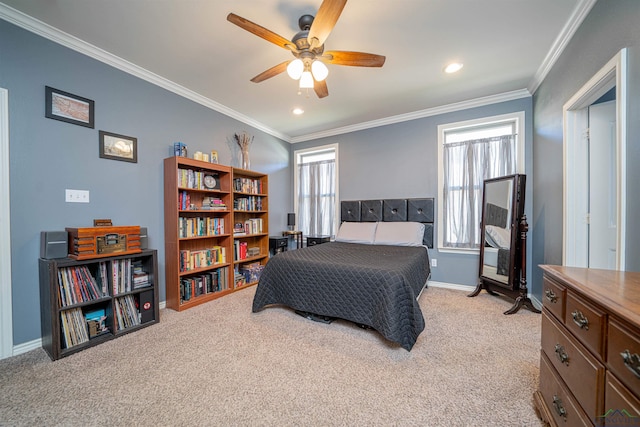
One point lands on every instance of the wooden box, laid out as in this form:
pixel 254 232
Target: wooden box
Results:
pixel 98 242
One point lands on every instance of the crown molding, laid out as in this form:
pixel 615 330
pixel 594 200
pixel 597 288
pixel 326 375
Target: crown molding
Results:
pixel 429 112
pixel 51 33
pixel 575 20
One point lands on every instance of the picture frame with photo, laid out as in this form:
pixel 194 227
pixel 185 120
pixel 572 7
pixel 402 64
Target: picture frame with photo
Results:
pixel 118 147
pixel 69 108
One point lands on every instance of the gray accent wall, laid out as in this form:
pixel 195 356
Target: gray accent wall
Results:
pixel 48 156
pixel 401 161
pixel 610 26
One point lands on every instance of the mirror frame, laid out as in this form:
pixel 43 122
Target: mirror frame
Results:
pixel 517 210
pixel 516 286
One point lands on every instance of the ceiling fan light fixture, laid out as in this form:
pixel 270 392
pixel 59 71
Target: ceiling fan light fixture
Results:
pixel 319 70
pixel 306 80
pixel 295 68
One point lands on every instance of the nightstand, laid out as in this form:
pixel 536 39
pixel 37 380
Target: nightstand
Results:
pixel 277 244
pixel 317 240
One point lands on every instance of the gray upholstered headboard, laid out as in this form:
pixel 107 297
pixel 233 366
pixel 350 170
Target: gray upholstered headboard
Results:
pixel 417 210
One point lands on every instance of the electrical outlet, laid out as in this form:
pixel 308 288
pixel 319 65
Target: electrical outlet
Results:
pixel 434 262
pixel 76 196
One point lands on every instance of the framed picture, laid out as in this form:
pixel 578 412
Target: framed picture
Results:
pixel 69 108
pixel 118 147
pixel 214 156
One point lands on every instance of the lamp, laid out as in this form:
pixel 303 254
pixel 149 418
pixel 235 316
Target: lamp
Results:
pixel 291 221
pixel 295 68
pixel 319 70
pixel 306 80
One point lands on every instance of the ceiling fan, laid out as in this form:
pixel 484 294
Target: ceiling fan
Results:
pixel 308 48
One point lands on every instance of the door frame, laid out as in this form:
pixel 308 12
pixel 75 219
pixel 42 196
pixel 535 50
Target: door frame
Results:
pixel 614 73
pixel 6 315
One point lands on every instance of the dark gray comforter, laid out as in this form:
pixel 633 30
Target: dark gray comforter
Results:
pixel 372 285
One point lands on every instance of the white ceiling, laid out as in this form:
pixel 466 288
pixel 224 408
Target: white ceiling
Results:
pixel 189 47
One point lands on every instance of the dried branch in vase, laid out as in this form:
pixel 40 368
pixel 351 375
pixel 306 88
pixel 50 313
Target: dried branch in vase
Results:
pixel 244 140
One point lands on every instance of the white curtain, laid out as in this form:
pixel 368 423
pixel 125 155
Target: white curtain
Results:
pixel 467 165
pixel 317 198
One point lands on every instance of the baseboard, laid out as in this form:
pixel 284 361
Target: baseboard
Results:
pixel 466 288
pixel 453 286
pixel 27 346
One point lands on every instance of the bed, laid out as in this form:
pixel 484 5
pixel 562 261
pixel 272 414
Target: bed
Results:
pixel 372 274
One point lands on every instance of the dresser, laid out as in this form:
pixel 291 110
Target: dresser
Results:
pixel 590 348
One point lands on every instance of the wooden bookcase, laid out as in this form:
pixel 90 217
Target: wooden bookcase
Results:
pixel 251 210
pixel 118 293
pixel 198 222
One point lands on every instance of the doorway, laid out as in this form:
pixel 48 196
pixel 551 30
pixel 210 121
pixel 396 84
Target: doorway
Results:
pixel 595 171
pixel 6 317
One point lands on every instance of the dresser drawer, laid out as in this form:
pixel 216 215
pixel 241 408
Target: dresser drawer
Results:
pixel 620 405
pixel 623 355
pixel 558 399
pixel 553 297
pixel 579 369
pixel 586 322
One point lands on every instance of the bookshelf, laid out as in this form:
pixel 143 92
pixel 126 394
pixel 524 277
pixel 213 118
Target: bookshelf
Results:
pixel 251 226
pixel 198 222
pixel 87 302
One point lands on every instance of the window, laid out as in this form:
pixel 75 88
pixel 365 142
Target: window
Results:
pixel 316 189
pixel 468 153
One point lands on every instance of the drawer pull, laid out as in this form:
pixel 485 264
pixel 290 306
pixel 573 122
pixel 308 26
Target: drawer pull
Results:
pixel 580 319
pixel 557 404
pixel 562 355
pixel 632 362
pixel 551 296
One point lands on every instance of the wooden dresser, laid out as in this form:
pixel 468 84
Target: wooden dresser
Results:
pixel 590 348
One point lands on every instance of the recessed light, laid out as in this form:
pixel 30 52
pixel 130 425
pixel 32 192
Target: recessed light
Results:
pixel 453 67
pixel 297 111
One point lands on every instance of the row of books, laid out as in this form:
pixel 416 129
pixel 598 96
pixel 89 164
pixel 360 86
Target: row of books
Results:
pixel 74 327
pixel 200 226
pixel 77 285
pixel 188 178
pixel 213 204
pixel 250 226
pixel 127 314
pixel 241 250
pixel 247 185
pixel 251 271
pixel 251 203
pixel 207 283
pixel 192 259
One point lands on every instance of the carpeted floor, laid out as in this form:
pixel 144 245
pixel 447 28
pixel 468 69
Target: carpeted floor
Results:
pixel 221 365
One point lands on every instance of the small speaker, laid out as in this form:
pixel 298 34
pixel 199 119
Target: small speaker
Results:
pixel 54 244
pixel 291 221
pixel 144 239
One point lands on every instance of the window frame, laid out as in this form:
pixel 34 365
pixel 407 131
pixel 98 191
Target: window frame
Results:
pixel 297 155
pixel 518 120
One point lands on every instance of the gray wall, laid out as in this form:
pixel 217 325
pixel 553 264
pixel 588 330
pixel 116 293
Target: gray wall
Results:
pixel 401 161
pixel 610 26
pixel 47 156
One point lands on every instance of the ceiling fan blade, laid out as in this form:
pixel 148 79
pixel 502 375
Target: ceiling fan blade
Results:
pixel 271 72
pixel 321 88
pixel 262 32
pixel 325 20
pixel 355 59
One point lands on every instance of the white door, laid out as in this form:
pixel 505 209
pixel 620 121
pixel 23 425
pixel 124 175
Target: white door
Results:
pixel 602 186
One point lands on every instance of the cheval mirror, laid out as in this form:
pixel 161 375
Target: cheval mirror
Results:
pixel 503 245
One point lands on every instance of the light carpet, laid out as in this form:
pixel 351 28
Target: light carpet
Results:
pixel 220 365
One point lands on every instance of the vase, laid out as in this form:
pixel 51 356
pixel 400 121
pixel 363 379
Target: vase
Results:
pixel 246 163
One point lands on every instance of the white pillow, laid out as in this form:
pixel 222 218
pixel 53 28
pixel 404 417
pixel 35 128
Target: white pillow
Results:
pixel 357 232
pixel 399 233
pixel 497 237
